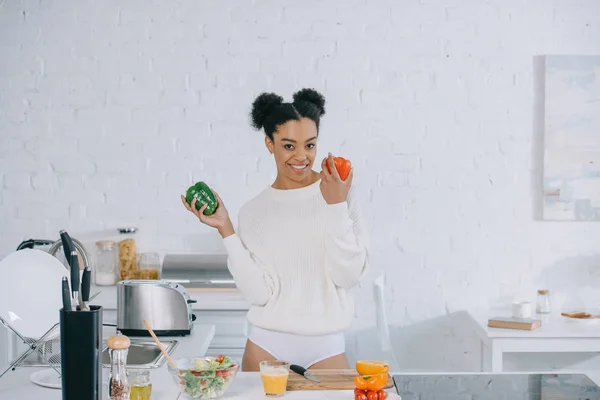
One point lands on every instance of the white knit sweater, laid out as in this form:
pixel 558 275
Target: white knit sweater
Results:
pixel 295 257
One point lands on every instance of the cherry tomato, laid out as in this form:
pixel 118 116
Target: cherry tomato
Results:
pixel 381 395
pixel 360 394
pixel 219 358
pixel 371 395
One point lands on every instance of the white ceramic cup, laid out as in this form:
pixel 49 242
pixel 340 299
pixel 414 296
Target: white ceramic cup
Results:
pixel 522 309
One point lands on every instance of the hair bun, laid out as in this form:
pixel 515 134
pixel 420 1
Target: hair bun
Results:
pixel 311 96
pixel 263 106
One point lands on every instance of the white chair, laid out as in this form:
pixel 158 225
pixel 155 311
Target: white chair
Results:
pixel 383 330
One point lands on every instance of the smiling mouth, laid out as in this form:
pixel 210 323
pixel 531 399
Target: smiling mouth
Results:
pixel 298 167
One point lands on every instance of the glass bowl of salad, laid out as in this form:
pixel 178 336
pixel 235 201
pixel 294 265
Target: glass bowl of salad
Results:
pixel 204 377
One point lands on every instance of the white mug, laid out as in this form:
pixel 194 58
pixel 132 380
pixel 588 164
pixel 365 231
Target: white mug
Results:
pixel 522 309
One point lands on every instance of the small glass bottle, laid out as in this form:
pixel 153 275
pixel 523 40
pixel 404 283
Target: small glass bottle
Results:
pixel 139 381
pixel 543 301
pixel 105 270
pixel 118 384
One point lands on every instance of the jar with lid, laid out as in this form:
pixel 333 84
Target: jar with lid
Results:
pixel 149 266
pixel 140 385
pixel 118 384
pixel 105 268
pixel 543 301
pixel 127 254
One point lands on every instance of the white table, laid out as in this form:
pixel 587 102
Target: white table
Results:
pixel 556 335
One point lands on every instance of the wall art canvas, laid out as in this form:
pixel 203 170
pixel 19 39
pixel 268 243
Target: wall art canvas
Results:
pixel 571 181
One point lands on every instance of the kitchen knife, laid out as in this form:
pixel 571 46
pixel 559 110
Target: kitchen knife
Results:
pixel 66 295
pixel 74 264
pixel 304 372
pixel 67 243
pixel 84 290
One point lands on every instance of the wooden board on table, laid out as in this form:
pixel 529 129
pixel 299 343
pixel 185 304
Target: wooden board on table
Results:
pixel 331 379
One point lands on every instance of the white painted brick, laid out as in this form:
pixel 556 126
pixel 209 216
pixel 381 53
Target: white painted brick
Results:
pixel 73 164
pixel 235 64
pixel 157 113
pixel 121 165
pixel 17 181
pixel 43 211
pixel 70 181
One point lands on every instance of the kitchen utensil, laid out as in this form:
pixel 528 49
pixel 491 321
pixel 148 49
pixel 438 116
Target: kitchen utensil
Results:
pixel 67 244
pixel 165 305
pixel 74 264
pixel 26 272
pixel 84 290
pixel 304 372
pixel 331 379
pixel 159 344
pixel 81 353
pixel 66 294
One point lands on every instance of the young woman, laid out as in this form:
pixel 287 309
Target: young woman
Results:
pixel 300 246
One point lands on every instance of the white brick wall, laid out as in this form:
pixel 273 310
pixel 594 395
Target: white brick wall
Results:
pixel 108 110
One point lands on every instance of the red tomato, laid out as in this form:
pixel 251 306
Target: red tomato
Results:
pixel 222 373
pixel 360 394
pixel 219 358
pixel 372 395
pixel 381 395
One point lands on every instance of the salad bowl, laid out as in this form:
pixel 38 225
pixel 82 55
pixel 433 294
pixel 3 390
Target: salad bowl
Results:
pixel 204 377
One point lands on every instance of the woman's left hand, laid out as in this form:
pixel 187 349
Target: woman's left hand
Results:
pixel 333 188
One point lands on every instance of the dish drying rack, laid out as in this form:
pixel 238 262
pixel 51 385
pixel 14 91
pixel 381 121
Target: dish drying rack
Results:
pixel 42 352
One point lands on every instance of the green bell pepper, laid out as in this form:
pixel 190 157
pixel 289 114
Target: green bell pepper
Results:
pixel 203 195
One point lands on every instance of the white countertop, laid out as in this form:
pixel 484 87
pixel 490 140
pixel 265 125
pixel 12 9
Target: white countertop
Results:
pixel 17 384
pixel 553 325
pixel 205 299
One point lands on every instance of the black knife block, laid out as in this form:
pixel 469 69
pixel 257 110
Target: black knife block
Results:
pixel 81 354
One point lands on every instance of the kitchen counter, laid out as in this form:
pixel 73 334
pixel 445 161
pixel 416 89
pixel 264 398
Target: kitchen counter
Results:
pixel 246 386
pixel 206 299
pixel 17 384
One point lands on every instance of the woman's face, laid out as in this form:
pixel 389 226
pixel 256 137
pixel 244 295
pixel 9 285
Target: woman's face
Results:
pixel 294 146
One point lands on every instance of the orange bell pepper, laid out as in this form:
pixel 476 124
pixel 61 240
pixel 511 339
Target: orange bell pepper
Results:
pixel 371 382
pixel 342 165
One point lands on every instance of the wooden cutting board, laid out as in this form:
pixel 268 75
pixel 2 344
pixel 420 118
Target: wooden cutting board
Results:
pixel 331 379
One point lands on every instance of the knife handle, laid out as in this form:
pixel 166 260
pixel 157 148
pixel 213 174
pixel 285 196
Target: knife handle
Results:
pixel 67 244
pixel 85 284
pixel 74 263
pixel 298 369
pixel 66 294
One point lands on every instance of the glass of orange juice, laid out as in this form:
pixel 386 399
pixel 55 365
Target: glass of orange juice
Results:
pixel 274 375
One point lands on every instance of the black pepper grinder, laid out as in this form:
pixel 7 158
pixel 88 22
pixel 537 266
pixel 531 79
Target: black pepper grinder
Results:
pixel 118 384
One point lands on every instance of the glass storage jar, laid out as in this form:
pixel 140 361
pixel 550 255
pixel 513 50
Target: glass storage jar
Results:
pixel 139 384
pixel 149 266
pixel 543 301
pixel 127 250
pixel 105 268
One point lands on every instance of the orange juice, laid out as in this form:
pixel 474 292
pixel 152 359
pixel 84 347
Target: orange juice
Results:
pixel 274 376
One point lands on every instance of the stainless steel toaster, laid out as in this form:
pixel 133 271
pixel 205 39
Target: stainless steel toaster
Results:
pixel 165 305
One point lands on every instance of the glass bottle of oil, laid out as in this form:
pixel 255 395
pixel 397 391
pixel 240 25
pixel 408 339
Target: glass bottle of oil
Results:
pixel 140 385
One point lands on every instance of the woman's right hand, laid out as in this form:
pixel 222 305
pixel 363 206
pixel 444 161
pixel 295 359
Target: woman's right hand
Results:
pixel 219 219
